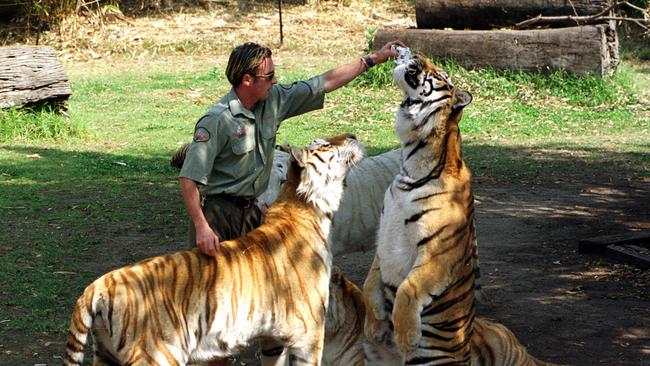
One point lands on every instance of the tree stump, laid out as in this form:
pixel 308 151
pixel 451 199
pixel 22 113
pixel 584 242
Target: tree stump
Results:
pixel 32 75
pixel 489 14
pixel 579 50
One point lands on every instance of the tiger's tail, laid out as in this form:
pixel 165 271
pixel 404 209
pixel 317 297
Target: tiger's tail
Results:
pixel 80 324
pixel 178 158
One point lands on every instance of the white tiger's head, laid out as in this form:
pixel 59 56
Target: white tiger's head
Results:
pixel 419 79
pixel 428 92
pixel 322 168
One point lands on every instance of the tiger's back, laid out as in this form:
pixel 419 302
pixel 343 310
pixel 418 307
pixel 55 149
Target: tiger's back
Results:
pixel 214 307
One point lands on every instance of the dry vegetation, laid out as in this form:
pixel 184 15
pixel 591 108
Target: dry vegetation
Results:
pixel 334 29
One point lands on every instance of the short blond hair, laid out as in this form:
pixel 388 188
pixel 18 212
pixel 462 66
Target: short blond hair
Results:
pixel 245 59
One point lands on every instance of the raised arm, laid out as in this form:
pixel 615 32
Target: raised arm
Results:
pixel 342 75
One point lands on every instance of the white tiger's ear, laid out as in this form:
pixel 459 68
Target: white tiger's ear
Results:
pixel 298 155
pixel 461 99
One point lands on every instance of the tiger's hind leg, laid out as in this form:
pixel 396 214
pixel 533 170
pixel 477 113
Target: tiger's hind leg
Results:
pixel 101 360
pixel 495 344
pixel 377 324
pixel 103 353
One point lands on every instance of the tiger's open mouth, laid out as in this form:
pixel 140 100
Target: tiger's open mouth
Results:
pixel 408 77
pixel 421 81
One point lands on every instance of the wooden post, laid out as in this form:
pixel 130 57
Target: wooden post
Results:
pixel 280 11
pixel 579 50
pixel 31 75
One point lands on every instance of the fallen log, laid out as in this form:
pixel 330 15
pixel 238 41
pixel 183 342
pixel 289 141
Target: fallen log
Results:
pixel 579 50
pixel 31 75
pixel 490 14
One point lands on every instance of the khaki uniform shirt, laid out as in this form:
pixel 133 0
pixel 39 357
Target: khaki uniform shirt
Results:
pixel 232 149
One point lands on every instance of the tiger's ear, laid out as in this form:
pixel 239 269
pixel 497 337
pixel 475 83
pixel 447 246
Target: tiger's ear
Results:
pixel 283 147
pixel 298 155
pixel 461 99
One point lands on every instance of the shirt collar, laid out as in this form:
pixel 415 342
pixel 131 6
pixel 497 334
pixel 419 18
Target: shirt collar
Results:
pixel 236 107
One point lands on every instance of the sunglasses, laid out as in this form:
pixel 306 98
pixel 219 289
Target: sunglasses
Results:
pixel 270 76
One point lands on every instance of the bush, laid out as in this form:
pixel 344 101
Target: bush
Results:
pixel 41 15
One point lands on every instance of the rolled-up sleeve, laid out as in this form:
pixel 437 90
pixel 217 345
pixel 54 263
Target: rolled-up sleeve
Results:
pixel 300 97
pixel 205 146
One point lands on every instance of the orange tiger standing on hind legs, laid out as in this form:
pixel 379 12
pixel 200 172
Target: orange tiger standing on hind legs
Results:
pixel 421 287
pixel 270 283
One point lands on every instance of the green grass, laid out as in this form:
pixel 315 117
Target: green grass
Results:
pixel 67 197
pixel 34 125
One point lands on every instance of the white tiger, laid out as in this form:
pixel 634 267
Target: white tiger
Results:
pixel 354 226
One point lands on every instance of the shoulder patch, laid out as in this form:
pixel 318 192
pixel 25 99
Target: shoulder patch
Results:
pixel 201 134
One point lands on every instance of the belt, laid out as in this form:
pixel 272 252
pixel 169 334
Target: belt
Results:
pixel 239 201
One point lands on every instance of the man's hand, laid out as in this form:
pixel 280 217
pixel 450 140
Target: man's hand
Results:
pixel 265 209
pixel 206 240
pixel 386 52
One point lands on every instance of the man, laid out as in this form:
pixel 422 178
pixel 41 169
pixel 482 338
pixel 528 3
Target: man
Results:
pixel 231 155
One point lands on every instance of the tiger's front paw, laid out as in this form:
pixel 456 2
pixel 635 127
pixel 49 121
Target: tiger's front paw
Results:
pixel 407 336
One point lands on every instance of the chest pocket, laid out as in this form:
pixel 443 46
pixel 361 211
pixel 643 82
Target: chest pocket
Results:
pixel 243 145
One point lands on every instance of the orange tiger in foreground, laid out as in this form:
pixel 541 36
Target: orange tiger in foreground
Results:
pixel 272 283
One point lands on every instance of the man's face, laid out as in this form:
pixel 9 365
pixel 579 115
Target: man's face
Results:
pixel 264 79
